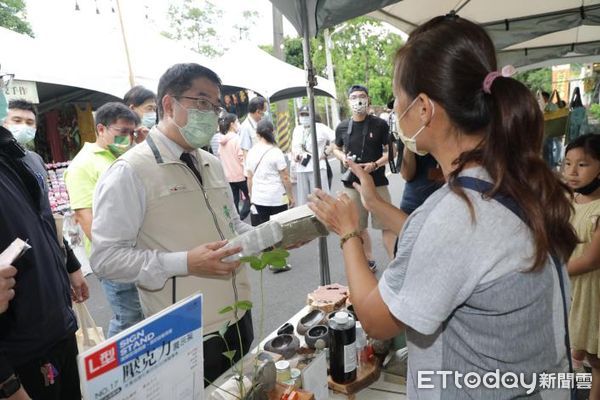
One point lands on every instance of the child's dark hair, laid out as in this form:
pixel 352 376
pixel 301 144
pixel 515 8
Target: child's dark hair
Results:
pixel 590 144
pixel 226 121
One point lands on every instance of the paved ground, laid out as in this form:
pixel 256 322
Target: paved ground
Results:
pixel 285 293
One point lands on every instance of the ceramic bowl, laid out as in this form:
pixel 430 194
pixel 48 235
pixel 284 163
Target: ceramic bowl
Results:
pixel 286 328
pixel 315 333
pixel 314 317
pixel 286 345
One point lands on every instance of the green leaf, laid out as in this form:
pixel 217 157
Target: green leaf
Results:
pixel 229 354
pixel 224 329
pixel 226 310
pixel 244 305
pixel 255 262
pixel 279 253
pixel 276 259
pixel 279 262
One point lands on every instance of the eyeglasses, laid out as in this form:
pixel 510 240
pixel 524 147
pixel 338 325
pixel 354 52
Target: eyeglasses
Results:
pixel 203 104
pixel 122 131
pixel 358 96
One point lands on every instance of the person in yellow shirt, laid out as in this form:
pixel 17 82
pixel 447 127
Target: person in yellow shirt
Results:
pixel 115 126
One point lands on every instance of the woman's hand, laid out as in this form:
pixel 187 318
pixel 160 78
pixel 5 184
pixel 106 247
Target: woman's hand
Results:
pixel 339 215
pixel 366 188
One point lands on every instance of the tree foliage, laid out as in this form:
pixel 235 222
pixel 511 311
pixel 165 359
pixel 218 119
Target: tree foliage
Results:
pixel 536 79
pixel 193 22
pixel 362 53
pixel 13 16
pixel 196 24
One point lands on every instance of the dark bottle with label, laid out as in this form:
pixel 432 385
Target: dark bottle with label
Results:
pixel 342 348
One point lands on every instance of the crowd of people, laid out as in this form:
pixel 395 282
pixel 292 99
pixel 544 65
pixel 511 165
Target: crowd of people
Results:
pixel 481 247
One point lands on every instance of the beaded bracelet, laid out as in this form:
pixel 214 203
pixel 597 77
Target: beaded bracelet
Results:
pixel 349 236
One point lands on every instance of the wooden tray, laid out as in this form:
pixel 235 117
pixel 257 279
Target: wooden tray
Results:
pixel 365 376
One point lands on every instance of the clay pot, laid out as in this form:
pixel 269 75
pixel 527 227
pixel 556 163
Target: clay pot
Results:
pixel 286 345
pixel 314 317
pixel 315 333
pixel 286 328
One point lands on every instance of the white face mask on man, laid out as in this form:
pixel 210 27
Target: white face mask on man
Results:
pixel 359 106
pixel 304 120
pixel 22 133
pixel 411 142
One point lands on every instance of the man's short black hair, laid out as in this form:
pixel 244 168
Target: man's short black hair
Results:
pixel 138 95
pixel 22 105
pixel 358 88
pixel 178 78
pixel 109 113
pixel 256 104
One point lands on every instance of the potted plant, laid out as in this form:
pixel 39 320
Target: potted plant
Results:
pixel 278 259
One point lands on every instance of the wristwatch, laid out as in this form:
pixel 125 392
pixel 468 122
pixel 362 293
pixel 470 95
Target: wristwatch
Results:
pixel 10 387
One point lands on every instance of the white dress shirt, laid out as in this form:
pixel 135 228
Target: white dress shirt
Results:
pixel 118 209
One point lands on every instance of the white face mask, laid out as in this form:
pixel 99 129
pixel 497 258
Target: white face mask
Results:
pixel 411 142
pixel 359 106
pixel 149 119
pixel 22 133
pixel 304 120
pixel 200 127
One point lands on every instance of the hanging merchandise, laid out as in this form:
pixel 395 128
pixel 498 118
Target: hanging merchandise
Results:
pixel 85 121
pixel 53 137
pixel 577 122
pixel 57 190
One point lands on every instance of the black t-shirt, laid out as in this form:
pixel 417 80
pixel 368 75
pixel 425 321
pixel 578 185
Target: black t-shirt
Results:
pixel 374 141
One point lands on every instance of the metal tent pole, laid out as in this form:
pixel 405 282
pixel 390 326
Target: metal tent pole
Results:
pixel 312 82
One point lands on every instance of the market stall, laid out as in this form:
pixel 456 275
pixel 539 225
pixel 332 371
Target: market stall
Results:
pixel 301 364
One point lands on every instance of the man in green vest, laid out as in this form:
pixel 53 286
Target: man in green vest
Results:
pixel 164 211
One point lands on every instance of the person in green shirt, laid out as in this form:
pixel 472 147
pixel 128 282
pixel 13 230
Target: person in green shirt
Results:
pixel 115 127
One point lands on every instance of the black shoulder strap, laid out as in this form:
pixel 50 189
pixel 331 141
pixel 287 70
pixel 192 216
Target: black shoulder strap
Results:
pixel 347 138
pixel 154 149
pixel 483 187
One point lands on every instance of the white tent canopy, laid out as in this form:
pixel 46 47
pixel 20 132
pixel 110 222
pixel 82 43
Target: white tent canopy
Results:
pixel 250 67
pixel 524 32
pixel 96 60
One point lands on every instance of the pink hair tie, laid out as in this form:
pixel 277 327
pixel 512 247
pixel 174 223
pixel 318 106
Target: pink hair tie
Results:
pixel 507 71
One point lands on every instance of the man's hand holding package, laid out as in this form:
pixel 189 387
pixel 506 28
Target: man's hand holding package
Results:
pixel 206 259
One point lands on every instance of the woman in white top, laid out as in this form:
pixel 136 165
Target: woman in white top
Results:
pixel 268 177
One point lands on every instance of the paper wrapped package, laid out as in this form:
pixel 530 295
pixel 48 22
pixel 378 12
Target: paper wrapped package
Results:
pixel 294 226
pixel 299 225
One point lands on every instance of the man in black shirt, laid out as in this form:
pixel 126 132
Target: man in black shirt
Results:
pixel 365 137
pixel 38 350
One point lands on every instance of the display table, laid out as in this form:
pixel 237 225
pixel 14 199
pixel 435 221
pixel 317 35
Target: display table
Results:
pixel 386 387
